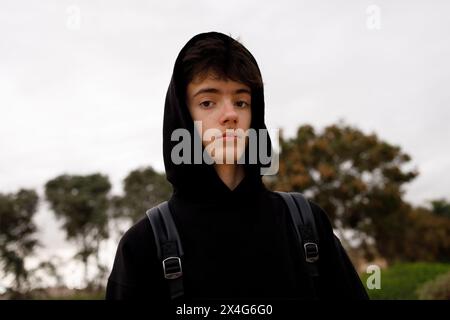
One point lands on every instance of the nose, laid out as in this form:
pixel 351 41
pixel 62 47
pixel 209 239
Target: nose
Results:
pixel 229 114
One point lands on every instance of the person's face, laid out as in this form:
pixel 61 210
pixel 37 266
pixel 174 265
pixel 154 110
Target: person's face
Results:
pixel 222 106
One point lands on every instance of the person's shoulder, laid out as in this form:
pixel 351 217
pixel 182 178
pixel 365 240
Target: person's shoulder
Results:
pixel 138 235
pixel 318 211
pixel 320 215
pixel 135 261
pixel 273 195
pixel 136 247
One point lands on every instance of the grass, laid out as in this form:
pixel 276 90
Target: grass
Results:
pixel 401 281
pixel 60 293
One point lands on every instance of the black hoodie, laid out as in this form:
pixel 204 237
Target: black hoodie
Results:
pixel 238 244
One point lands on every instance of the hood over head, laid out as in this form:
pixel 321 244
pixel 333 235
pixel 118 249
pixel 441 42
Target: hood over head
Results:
pixel 200 181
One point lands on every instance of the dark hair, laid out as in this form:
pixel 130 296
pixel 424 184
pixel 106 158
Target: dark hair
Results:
pixel 225 57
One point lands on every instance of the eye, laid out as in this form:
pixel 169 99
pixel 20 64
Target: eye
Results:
pixel 206 104
pixel 242 104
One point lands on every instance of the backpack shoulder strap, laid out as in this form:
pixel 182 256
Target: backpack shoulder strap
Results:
pixel 168 246
pixel 305 228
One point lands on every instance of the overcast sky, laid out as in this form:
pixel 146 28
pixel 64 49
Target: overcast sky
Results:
pixel 82 83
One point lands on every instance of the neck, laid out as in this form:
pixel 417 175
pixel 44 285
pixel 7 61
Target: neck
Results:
pixel 230 174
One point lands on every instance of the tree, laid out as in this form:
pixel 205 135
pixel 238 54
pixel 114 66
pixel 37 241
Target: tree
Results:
pixel 81 202
pixel 17 234
pixel 143 189
pixel 441 207
pixel 356 178
pixel 427 236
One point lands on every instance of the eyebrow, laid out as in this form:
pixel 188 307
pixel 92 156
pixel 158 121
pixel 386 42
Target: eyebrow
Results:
pixel 214 90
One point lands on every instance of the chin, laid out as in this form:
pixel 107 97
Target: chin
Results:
pixel 225 154
pixel 225 157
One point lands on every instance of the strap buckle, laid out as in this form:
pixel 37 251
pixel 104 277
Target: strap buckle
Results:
pixel 172 268
pixel 311 252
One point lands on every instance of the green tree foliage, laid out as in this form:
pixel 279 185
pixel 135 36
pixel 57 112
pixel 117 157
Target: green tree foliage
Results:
pixel 357 178
pixel 17 234
pixel 81 202
pixel 441 207
pixel 427 236
pixel 143 189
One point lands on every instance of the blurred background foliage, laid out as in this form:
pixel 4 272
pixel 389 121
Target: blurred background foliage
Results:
pixel 358 178
pixel 412 281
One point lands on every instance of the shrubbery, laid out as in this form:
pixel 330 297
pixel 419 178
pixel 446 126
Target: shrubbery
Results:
pixel 436 289
pixel 402 281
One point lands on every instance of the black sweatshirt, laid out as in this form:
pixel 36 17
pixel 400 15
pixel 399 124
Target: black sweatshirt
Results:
pixel 238 244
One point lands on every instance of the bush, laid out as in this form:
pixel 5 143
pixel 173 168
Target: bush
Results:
pixel 401 281
pixel 56 293
pixel 437 289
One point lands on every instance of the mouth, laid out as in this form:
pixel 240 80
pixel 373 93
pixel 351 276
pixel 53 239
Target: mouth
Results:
pixel 229 136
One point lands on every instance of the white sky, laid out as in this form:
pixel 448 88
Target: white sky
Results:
pixel 82 83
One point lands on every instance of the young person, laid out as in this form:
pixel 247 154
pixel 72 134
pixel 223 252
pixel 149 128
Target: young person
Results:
pixel 238 238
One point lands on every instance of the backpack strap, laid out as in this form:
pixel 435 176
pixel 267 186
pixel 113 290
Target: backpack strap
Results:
pixel 305 229
pixel 170 250
pixel 168 247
